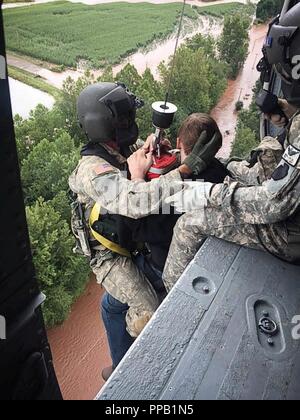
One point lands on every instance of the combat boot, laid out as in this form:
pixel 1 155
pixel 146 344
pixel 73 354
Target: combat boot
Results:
pixel 107 372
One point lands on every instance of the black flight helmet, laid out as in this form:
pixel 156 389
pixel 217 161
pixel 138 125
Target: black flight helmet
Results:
pixel 107 111
pixel 282 49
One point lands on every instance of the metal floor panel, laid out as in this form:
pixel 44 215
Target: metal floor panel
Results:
pixel 205 341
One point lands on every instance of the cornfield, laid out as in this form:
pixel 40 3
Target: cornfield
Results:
pixel 66 33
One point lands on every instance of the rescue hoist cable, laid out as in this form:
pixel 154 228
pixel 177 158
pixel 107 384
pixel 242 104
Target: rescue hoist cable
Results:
pixel 175 51
pixel 162 119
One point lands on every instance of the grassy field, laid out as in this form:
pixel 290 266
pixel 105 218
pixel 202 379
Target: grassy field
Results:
pixel 64 33
pixel 17 1
pixel 220 10
pixel 34 81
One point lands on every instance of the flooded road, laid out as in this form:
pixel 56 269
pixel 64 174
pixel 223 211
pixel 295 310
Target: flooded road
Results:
pixel 164 49
pixel 239 89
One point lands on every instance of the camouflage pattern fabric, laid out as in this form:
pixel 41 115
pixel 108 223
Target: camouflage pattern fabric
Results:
pixel 122 279
pixel 269 155
pixel 245 211
pixel 193 228
pixel 95 180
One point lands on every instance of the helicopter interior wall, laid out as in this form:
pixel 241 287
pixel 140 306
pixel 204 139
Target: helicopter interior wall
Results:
pixel 26 363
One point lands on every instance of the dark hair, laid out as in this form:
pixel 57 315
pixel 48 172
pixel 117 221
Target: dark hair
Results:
pixel 192 128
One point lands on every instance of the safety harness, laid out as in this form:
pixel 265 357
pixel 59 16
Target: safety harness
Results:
pixel 106 228
pixel 95 217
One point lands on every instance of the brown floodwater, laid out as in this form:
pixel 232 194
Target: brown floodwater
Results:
pixel 163 50
pixel 239 89
pixel 79 346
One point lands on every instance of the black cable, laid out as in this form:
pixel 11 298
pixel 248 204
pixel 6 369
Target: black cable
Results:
pixel 175 51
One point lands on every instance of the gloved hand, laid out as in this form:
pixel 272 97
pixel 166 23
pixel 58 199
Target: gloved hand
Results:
pixel 194 196
pixel 289 111
pixel 203 152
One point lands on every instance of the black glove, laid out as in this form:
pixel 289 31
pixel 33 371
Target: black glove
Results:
pixel 203 152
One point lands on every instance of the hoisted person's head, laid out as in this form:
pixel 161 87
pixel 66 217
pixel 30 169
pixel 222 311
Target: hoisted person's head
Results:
pixel 283 51
pixel 107 112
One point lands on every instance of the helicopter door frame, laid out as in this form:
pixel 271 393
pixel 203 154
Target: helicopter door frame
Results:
pixel 26 366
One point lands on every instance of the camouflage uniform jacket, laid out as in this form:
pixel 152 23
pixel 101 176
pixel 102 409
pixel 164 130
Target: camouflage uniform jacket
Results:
pixel 95 180
pixel 269 154
pixel 264 194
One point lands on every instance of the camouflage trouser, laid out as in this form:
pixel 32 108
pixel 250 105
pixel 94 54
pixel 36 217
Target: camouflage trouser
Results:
pixel 122 279
pixel 193 228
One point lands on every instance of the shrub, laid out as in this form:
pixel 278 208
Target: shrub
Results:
pixel 267 9
pixel 234 42
pixel 46 170
pixel 61 275
pixel 239 106
pixel 245 141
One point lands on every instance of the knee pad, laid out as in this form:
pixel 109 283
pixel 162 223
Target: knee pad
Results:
pixel 137 321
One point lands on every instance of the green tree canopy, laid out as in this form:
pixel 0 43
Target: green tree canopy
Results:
pixel 267 9
pixel 205 42
pixel 61 274
pixel 198 81
pixel 248 128
pixel 46 170
pixel 234 42
pixel 42 123
pixel 245 141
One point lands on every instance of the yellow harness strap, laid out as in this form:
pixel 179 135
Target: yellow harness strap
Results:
pixel 94 217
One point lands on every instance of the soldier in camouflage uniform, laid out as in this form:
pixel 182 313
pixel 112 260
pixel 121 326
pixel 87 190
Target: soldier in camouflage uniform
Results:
pixel 258 206
pixel 107 115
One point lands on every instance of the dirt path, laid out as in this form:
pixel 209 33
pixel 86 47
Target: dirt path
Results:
pixel 53 78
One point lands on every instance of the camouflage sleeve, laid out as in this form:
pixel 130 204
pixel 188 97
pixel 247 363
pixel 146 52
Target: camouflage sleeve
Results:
pixel 268 155
pixel 272 202
pixel 95 180
pixel 276 199
pixel 135 199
